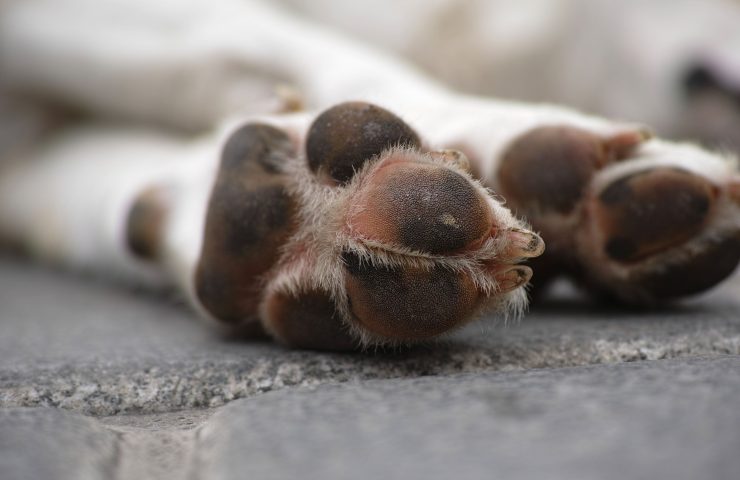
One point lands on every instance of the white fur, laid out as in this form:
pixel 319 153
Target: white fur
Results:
pixel 617 58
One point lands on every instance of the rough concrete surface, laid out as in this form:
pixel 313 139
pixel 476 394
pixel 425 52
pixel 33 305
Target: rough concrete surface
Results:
pixel 76 344
pixel 139 388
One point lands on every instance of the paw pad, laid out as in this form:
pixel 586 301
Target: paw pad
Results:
pixel 423 207
pixel 407 303
pixel 548 168
pixel 651 211
pixel 344 137
pixel 145 223
pixel 250 216
pixel 307 320
pixel 695 274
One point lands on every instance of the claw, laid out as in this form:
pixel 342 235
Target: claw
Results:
pixel 734 190
pixel 513 278
pixel 621 145
pixel 454 157
pixel 525 244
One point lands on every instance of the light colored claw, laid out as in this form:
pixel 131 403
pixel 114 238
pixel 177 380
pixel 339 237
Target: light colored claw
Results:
pixel 454 157
pixel 525 243
pixel 513 278
pixel 734 190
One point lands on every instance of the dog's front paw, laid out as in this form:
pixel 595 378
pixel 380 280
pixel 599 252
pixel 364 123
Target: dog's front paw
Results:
pixel 354 235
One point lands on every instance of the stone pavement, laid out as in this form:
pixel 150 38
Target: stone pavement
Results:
pixel 142 389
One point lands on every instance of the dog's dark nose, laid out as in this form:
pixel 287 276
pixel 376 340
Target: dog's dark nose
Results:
pixel 712 104
pixel 703 78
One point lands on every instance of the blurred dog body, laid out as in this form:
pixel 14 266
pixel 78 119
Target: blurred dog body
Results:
pixel 672 64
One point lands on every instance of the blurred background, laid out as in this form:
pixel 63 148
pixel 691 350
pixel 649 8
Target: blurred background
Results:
pixel 671 64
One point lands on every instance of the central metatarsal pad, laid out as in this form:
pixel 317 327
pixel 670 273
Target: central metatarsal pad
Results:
pixel 421 206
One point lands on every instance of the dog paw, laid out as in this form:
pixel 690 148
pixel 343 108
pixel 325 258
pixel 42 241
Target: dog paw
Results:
pixel 345 231
pixel 250 216
pixel 660 231
pixel 641 220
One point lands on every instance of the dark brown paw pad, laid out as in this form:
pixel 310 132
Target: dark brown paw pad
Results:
pixel 255 148
pixel 549 168
pixel 652 211
pixel 694 274
pixel 423 207
pixel 145 223
pixel 408 303
pixel 344 137
pixel 250 216
pixel 308 320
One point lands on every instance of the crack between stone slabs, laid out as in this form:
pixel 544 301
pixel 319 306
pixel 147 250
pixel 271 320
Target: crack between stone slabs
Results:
pixel 113 466
pixel 156 445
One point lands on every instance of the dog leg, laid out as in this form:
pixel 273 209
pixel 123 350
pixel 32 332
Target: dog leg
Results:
pixel 535 156
pixel 380 240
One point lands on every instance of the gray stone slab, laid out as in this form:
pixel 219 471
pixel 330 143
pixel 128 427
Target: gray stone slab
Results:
pixel 50 444
pixel 54 444
pixel 668 419
pixel 675 419
pixel 78 344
